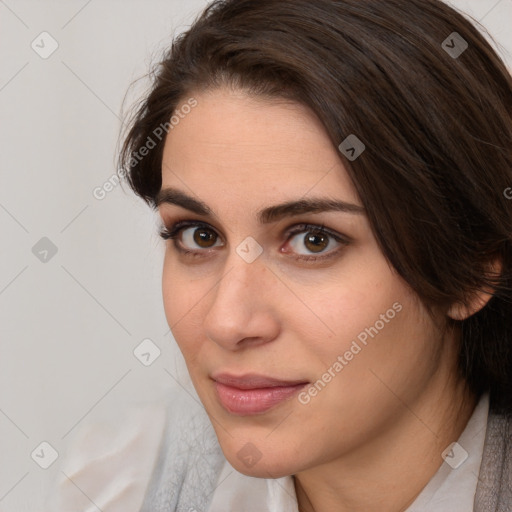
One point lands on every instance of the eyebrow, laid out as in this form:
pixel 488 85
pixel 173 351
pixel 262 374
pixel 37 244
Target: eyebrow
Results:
pixel 267 215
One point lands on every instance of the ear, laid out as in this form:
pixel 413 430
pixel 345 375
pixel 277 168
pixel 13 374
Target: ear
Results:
pixel 460 311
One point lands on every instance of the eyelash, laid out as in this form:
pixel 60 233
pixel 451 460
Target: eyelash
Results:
pixel 173 232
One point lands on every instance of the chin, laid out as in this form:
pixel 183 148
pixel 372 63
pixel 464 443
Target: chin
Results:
pixel 259 459
pixel 267 469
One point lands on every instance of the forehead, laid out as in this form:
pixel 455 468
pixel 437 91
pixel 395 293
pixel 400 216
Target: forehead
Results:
pixel 254 146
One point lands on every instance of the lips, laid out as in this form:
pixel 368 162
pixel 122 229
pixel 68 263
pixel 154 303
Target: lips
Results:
pixel 253 394
pixel 253 381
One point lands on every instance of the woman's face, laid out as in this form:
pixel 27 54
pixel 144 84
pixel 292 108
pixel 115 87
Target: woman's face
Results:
pixel 263 293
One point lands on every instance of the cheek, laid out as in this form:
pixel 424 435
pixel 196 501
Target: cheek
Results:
pixel 383 348
pixel 366 382
pixel 348 305
pixel 376 324
pixel 182 300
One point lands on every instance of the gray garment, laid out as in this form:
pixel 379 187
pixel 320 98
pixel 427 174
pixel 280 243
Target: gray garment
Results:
pixel 494 489
pixel 191 460
pixel 188 464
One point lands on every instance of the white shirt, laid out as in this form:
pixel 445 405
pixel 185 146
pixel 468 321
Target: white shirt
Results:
pixel 451 489
pixel 108 465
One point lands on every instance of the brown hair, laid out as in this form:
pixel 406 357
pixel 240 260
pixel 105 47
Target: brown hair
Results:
pixel 437 127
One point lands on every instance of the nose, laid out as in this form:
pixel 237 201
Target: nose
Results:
pixel 243 309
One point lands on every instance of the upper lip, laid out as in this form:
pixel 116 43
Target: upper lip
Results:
pixel 253 381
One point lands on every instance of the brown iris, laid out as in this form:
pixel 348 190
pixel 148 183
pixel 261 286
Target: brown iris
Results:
pixel 204 237
pixel 316 242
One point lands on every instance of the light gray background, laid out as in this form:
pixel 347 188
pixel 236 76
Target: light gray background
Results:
pixel 69 326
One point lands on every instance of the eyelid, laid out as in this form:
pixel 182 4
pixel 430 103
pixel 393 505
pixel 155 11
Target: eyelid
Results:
pixel 176 227
pixel 318 228
pixel 321 257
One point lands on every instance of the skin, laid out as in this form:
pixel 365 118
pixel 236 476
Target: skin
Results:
pixel 372 438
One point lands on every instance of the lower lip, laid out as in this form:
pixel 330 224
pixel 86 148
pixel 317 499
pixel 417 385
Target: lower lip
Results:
pixel 254 401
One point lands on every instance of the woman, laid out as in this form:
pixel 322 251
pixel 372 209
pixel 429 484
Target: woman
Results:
pixel 331 181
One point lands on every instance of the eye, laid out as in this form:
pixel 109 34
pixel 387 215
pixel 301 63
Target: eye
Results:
pixel 307 241
pixel 191 236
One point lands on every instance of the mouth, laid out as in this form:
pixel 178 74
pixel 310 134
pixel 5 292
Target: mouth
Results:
pixel 253 394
